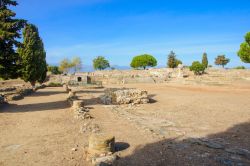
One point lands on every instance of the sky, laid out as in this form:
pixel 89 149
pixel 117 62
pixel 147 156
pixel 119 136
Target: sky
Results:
pixel 122 29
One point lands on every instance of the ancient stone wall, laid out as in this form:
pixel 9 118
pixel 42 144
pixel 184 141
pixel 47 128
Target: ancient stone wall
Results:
pixel 163 75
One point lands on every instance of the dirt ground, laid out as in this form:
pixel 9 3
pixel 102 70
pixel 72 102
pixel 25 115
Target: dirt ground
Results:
pixel 182 125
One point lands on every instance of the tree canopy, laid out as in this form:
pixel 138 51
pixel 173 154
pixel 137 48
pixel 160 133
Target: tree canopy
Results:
pixel 33 56
pixel 10 28
pixel 221 60
pixel 54 69
pixel 143 61
pixel 244 52
pixel 76 63
pixel 65 65
pixel 100 63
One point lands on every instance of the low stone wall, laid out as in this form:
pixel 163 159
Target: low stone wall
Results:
pixel 77 106
pixel 125 96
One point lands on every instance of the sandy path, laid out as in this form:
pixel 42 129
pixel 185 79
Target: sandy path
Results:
pixel 39 130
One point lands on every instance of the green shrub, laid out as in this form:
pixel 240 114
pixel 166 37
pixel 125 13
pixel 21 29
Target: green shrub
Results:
pixel 197 68
pixel 240 67
pixel 54 69
pixel 54 84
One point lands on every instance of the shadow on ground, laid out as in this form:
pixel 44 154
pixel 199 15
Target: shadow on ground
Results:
pixel 229 148
pixel 14 108
pixel 46 93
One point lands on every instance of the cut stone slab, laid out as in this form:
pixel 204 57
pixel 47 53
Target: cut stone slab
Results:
pixel 101 143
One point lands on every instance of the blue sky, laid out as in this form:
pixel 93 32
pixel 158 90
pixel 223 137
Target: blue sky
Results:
pixel 121 29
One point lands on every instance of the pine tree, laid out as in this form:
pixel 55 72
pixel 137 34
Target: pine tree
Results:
pixel 244 52
pixel 33 56
pixel 100 63
pixel 205 60
pixel 9 33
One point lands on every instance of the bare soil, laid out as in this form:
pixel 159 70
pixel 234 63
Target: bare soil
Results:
pixel 41 129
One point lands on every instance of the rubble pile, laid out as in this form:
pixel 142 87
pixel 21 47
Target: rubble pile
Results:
pixel 125 96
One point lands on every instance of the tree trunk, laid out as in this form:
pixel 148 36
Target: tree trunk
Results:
pixel 33 83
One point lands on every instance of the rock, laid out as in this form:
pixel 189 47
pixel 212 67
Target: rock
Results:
pixel 8 89
pixel 72 94
pixel 239 151
pixel 25 92
pixel 77 104
pixel 66 88
pixel 73 149
pixel 71 97
pixel 125 96
pixel 100 143
pixel 105 160
pixel 93 128
pixel 208 143
pixel 14 97
pixel 82 115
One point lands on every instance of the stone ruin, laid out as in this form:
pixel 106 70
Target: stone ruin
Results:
pixel 101 149
pixel 125 96
pixel 77 106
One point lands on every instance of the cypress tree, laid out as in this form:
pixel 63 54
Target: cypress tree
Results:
pixel 172 60
pixel 33 56
pixel 9 33
pixel 205 60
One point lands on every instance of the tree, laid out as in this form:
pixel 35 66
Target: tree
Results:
pixel 100 63
pixel 10 28
pixel 178 62
pixel 173 62
pixel 221 60
pixel 54 69
pixel 244 52
pixel 143 61
pixel 32 56
pixel 197 68
pixel 205 60
pixel 76 63
pixel 65 65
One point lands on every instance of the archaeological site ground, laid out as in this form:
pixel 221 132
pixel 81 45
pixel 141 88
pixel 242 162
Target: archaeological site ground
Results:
pixel 151 117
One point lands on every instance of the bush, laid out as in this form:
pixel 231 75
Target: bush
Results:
pixel 197 68
pixel 143 61
pixel 240 67
pixel 54 70
pixel 54 84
